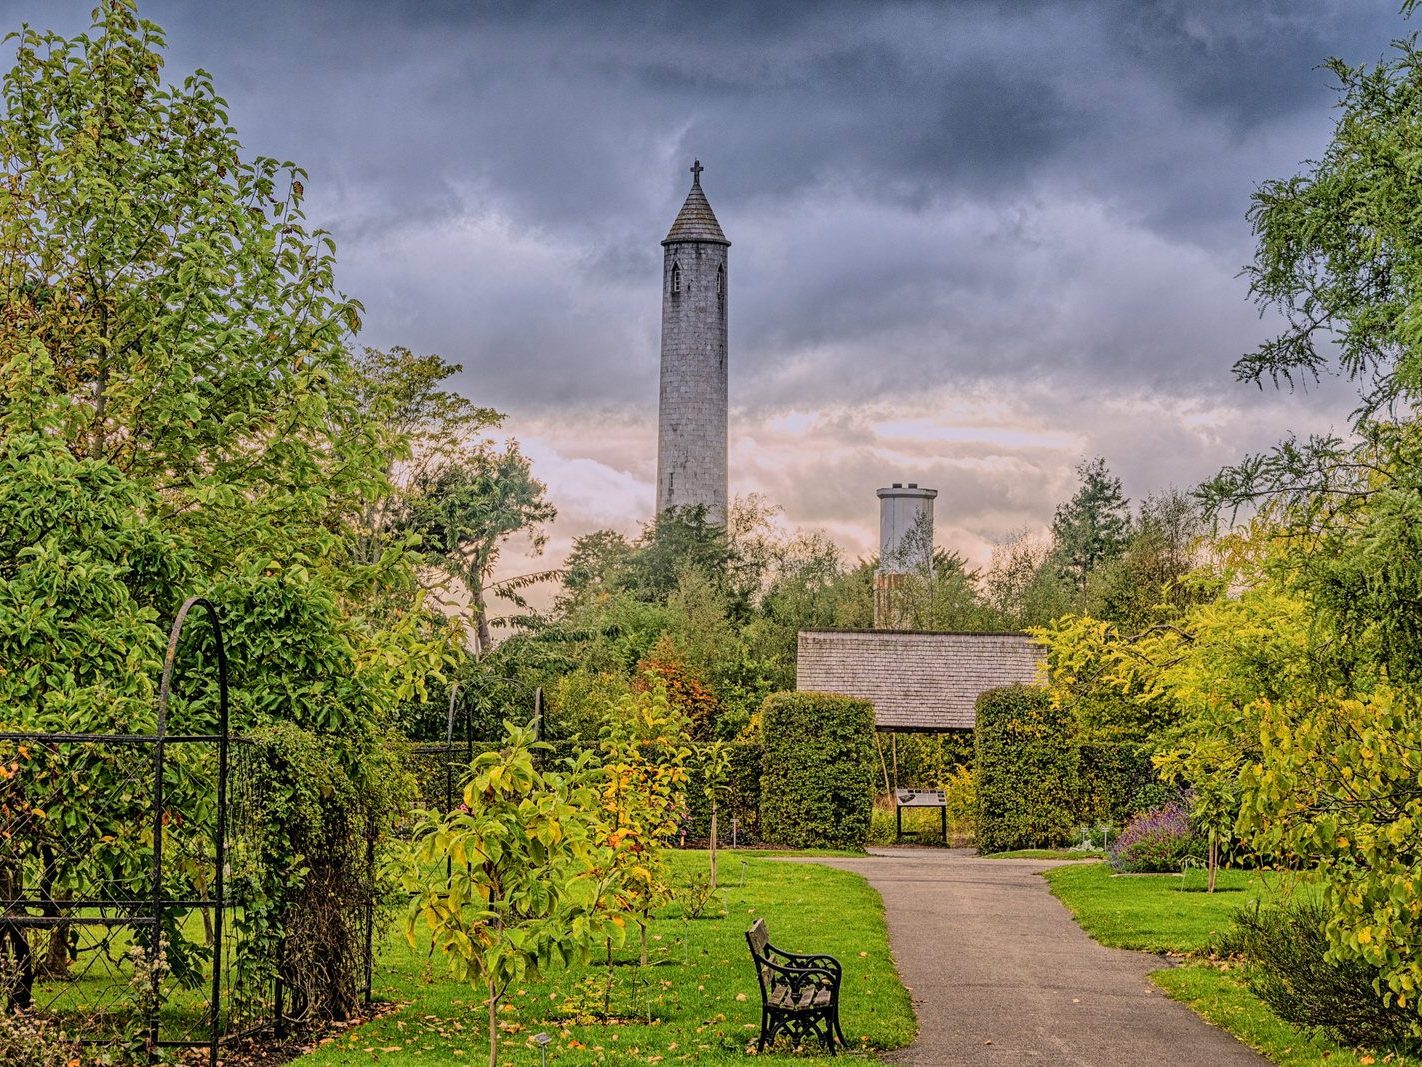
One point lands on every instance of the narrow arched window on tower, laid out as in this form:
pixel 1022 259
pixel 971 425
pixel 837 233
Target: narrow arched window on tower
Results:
pixel 675 277
pixel 721 282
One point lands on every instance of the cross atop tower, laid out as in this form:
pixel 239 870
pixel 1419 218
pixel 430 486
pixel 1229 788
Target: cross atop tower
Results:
pixel 696 169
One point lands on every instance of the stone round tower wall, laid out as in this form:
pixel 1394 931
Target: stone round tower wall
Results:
pixel 692 424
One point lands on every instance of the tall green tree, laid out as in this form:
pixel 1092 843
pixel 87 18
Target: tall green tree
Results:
pixel 1339 256
pixel 521 879
pixel 1025 586
pixel 467 509
pixel 168 310
pixel 677 539
pixel 177 395
pixel 593 568
pixel 426 428
pixel 1091 528
pixel 1147 582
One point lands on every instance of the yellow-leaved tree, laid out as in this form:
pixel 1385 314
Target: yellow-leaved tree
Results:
pixel 644 754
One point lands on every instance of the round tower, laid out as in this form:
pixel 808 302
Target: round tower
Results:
pixel 905 548
pixel 691 424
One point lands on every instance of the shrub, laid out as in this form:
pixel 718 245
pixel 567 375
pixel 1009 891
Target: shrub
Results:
pixel 962 796
pixel 817 786
pixel 26 1041
pixel 1025 770
pixel 739 798
pixel 1286 944
pixel 1161 840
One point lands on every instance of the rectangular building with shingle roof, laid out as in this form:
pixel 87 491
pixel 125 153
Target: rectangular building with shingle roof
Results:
pixel 916 680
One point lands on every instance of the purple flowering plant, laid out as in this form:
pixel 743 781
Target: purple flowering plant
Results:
pixel 1156 841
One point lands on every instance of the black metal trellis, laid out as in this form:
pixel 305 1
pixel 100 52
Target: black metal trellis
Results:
pixel 450 759
pixel 41 891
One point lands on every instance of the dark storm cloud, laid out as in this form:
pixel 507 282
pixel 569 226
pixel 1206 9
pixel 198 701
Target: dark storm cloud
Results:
pixel 920 194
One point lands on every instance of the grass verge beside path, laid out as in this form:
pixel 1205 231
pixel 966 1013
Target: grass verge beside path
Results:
pixel 699 992
pixel 1047 854
pixel 1149 911
pixel 1224 999
pixel 1152 913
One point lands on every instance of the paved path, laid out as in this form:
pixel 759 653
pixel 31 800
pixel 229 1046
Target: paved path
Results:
pixel 1001 974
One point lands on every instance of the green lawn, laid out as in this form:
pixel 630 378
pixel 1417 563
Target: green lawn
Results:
pixel 1222 997
pixel 1047 854
pixel 1151 911
pixel 699 993
pixel 1165 913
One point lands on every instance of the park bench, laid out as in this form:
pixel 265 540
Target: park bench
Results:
pixel 799 994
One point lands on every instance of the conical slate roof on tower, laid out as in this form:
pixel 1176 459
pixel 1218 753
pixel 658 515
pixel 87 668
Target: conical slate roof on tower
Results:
pixel 696 221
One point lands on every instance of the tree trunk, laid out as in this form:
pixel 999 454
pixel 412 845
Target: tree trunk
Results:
pixel 642 925
pixel 493 1028
pixel 713 843
pixel 55 961
pixel 879 746
pixel 607 986
pixel 482 634
pixel 1213 860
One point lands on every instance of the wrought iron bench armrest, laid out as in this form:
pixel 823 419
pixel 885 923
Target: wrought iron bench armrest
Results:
pixel 801 959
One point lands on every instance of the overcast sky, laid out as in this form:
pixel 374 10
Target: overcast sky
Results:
pixel 973 242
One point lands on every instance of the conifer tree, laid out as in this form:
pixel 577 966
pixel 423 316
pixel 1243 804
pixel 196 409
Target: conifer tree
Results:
pixel 1094 525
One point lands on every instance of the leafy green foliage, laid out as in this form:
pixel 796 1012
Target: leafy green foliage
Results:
pixel 1114 782
pixel 817 790
pixel 592 567
pixel 1335 245
pixel 465 510
pixel 179 413
pixel 678 540
pixel 645 751
pixel 1147 582
pixel 513 881
pixel 303 871
pixel 80 566
pixel 939 593
pixel 1290 969
pixel 1339 783
pixel 1025 586
pixel 169 312
pixel 738 795
pixel 1332 779
pixel 1025 770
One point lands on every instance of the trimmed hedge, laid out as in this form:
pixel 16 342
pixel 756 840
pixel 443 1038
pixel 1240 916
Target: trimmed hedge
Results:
pixel 1114 782
pixel 817 785
pixel 739 797
pixel 1026 771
